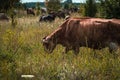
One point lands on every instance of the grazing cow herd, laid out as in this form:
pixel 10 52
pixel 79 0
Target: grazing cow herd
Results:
pixel 46 18
pixel 94 33
pixel 52 15
pixel 49 17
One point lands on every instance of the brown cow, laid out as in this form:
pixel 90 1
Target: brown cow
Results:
pixel 94 33
pixel 30 11
pixel 3 17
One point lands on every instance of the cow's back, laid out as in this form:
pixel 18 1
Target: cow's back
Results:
pixel 90 31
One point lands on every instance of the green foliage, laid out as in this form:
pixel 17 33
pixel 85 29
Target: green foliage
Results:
pixel 110 8
pixel 51 7
pixel 7 4
pixel 90 8
pixel 68 4
pixel 82 9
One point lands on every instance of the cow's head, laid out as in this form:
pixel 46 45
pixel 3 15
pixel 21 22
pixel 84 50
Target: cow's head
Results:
pixel 49 44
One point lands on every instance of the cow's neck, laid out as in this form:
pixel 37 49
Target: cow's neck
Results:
pixel 58 36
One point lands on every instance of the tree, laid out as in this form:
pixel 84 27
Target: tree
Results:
pixel 53 5
pixel 7 4
pixel 37 8
pixel 67 4
pixel 82 9
pixel 90 8
pixel 110 8
pixel 68 1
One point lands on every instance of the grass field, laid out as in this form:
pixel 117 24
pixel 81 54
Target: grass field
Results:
pixel 22 53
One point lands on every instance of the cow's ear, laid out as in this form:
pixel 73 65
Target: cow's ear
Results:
pixel 45 37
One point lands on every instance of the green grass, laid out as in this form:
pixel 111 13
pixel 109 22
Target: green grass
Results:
pixel 21 52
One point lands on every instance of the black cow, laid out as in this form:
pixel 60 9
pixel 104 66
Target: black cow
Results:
pixel 60 14
pixel 49 17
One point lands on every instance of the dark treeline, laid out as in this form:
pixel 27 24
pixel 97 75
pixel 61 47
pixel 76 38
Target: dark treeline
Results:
pixel 110 8
pixel 33 4
pixel 102 8
pixel 6 5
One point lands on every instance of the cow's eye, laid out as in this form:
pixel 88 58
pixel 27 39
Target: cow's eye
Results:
pixel 46 45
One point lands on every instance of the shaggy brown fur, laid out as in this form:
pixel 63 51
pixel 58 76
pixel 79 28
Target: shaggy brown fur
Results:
pixel 94 33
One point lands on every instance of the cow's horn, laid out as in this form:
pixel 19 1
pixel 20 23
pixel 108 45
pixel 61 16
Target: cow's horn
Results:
pixel 45 41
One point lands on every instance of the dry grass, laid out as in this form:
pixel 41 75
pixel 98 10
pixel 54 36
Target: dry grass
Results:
pixel 21 52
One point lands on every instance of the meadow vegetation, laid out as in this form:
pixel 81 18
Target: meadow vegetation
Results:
pixel 22 53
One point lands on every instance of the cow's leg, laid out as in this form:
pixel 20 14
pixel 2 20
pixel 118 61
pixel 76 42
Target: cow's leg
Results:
pixel 76 50
pixel 66 49
pixel 113 47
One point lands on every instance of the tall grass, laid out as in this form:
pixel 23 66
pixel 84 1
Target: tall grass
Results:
pixel 22 53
